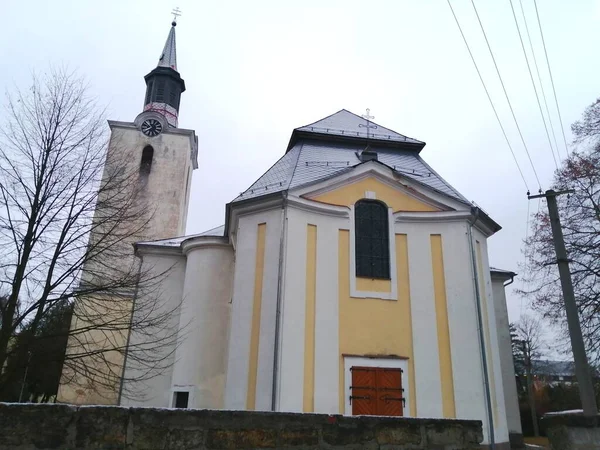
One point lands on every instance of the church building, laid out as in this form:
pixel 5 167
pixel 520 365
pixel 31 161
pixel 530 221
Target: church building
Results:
pixel 350 278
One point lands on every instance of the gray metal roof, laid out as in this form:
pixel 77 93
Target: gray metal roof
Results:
pixel 176 241
pixel 345 123
pixel 310 161
pixel 329 147
pixel 168 57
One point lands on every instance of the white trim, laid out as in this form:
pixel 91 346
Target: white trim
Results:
pixel 387 363
pixel 371 195
pixel 317 207
pixel 382 173
pixel 393 294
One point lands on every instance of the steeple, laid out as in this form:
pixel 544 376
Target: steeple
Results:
pixel 168 58
pixel 164 85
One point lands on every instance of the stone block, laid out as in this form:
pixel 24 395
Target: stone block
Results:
pixel 36 426
pixel 298 437
pixel 444 433
pixel 101 427
pixel 240 439
pixel 402 433
pixel 185 440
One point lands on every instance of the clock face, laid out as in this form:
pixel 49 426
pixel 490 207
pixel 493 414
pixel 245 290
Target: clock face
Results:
pixel 151 127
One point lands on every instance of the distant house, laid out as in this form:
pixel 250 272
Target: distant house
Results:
pixel 548 372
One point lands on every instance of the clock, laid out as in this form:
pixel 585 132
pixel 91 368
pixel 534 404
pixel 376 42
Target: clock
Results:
pixel 151 127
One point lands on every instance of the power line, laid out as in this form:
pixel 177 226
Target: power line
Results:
pixel 562 127
pixel 537 97
pixel 488 96
pixel 506 95
pixel 539 77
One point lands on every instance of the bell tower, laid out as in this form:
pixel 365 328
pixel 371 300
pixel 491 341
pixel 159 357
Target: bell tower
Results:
pixel 165 154
pixel 157 159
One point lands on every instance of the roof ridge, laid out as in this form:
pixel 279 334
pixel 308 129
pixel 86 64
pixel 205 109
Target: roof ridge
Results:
pixel 323 118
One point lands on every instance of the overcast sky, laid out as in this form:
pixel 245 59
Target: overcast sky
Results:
pixel 254 70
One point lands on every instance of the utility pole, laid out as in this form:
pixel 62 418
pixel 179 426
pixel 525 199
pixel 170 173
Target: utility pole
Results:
pixel 582 369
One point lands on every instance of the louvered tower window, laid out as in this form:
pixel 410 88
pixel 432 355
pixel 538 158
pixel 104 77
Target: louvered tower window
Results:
pixel 372 245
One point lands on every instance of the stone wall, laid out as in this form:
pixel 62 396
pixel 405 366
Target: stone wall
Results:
pixel 27 426
pixel 572 431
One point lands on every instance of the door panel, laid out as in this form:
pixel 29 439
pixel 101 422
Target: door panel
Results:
pixel 363 392
pixel 390 396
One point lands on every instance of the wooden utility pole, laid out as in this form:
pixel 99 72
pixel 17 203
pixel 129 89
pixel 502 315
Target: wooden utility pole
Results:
pixel 582 369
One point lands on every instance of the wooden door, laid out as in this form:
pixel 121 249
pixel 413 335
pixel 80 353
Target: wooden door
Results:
pixel 376 391
pixel 390 398
pixel 363 391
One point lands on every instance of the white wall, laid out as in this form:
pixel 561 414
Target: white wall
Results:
pixel 511 401
pixel 327 355
pixel 156 391
pixel 500 428
pixel 204 320
pixel 242 304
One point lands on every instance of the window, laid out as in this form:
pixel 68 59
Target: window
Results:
pixel 372 247
pixel 160 90
pixel 149 92
pixel 376 391
pixel 181 399
pixel 146 164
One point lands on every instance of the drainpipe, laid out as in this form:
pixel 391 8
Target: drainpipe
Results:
pixel 282 238
pixel 486 376
pixel 512 280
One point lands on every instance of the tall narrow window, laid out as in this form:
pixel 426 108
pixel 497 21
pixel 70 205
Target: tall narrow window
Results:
pixel 146 164
pixel 372 244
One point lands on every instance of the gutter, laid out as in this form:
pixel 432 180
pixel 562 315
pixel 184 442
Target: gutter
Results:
pixel 277 344
pixel 486 376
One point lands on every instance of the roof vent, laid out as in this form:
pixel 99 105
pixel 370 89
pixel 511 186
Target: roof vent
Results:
pixel 368 155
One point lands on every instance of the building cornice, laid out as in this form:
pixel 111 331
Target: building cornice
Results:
pixel 204 242
pixel 317 207
pixel 475 217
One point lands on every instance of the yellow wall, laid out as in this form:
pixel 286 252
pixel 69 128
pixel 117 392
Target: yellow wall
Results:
pixel 443 329
pixel 349 194
pixel 256 308
pixel 309 319
pixel 375 327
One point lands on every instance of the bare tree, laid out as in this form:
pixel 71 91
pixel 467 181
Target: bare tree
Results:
pixel 528 345
pixel 580 218
pixel 69 214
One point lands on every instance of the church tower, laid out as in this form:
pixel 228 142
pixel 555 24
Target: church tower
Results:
pixel 157 159
pixel 166 155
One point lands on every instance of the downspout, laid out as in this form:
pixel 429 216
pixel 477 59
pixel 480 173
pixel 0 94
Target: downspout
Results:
pixel 135 294
pixel 512 280
pixel 282 237
pixel 486 376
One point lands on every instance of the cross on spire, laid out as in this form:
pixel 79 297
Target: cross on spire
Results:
pixel 368 118
pixel 176 13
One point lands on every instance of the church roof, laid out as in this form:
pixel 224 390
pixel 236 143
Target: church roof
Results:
pixel 347 124
pixel 331 146
pixel 168 57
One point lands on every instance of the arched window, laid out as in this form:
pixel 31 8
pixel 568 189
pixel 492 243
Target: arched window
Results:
pixel 146 164
pixel 372 244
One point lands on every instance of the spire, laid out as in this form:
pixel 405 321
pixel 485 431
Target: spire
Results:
pixel 164 84
pixel 168 58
